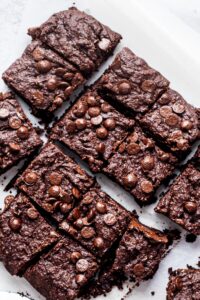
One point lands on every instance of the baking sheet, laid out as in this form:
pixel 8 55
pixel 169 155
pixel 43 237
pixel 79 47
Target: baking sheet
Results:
pixel 175 53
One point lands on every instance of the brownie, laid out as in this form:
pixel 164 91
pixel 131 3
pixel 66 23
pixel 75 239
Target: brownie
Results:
pixel 173 121
pixel 97 222
pixel 43 78
pixel 79 37
pixel 132 83
pixel 24 234
pixel 62 272
pixel 18 138
pixel 184 284
pixel 181 203
pixel 54 181
pixel 93 128
pixel 140 166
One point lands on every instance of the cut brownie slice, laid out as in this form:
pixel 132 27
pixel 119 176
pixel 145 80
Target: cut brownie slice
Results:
pixel 79 37
pixel 173 121
pixel 62 272
pixel 92 128
pixel 132 83
pixel 97 222
pixel 140 166
pixel 43 78
pixel 18 138
pixel 24 234
pixel 182 202
pixel 184 284
pixel 54 181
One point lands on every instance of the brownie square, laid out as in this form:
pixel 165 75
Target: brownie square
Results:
pixel 140 166
pixel 79 37
pixel 62 272
pixel 43 78
pixel 54 181
pixel 97 222
pixel 173 121
pixel 184 284
pixel 181 203
pixel 18 138
pixel 92 128
pixel 24 234
pixel 132 83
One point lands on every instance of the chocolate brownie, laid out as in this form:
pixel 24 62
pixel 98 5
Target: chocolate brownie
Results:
pixel 79 37
pixel 62 272
pixel 173 121
pixel 93 128
pixel 54 181
pixel 140 166
pixel 182 201
pixel 132 83
pixel 24 234
pixel 43 78
pixel 18 138
pixel 184 284
pixel 97 222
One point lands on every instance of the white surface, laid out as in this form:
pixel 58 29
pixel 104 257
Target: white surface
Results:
pixel 152 31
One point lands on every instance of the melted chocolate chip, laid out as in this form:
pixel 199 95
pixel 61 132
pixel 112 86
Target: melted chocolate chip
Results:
pixel 130 180
pixel 82 265
pixel 32 213
pixel 101 207
pixel 23 132
pixel 102 133
pixel 87 232
pixel 98 242
pixel 43 66
pixel 30 178
pixel 54 191
pixel 138 269
pixel 75 256
pixel 124 88
pixel 190 207
pixel 15 224
pixel 110 219
pixel 110 123
pixel 148 162
pixel 15 122
pixel 147 187
pixel 133 148
pixel 81 124
pixel 14 147
pixel 100 148
pixel 55 178
pixel 94 111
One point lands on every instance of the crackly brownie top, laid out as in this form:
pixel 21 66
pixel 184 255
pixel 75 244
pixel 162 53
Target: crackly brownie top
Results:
pixel 43 77
pixel 97 222
pixel 93 128
pixel 63 271
pixel 54 181
pixel 140 165
pixel 140 251
pixel 18 138
pixel 173 121
pixel 184 284
pixel 132 82
pixel 78 37
pixel 23 233
pixel 182 202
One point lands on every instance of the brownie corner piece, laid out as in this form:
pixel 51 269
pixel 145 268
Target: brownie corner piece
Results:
pixel 62 272
pixel 54 181
pixel 132 83
pixel 92 128
pixel 18 138
pixel 24 234
pixel 184 284
pixel 43 78
pixel 81 39
pixel 97 222
pixel 181 203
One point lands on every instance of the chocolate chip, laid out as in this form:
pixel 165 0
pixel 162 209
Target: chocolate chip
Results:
pixel 58 101
pixel 65 207
pixel 38 54
pixel 147 186
pixel 130 180
pixel 110 219
pixel 122 148
pixel 82 265
pixel 4 113
pixel 165 111
pixel 55 178
pixel 8 200
pixel 97 120
pixel 133 148
pixel 32 213
pixel 23 132
pixel 38 97
pixel 138 269
pixel 76 213
pixel 148 86
pixel 109 123
pixel 163 156
pixel 104 44
pixel 15 224
pixel 68 76
pixel 14 147
pixel 78 79
pixel 105 107
pixel 148 162
pixel 164 99
pixel 79 223
pixel 102 133
pixel 172 120
pixel 52 84
pixel 81 124
pixel 101 207
pixel 91 215
pixel 87 200
pixel 81 279
pixel 178 108
pixel 186 125
pixel 100 148
pixel 178 283
pixel 68 91
pixel 15 122
pixel 190 207
pixel 134 137
pixel 80 110
pixel 70 126
pixel 94 111
pixel 91 101
pixel 75 256
pixel 182 144
pixel 76 193
pixel 30 178
pixel 98 242
pixel 60 71
pixel 124 88
pixel 43 66
pixel 54 191
pixel 87 232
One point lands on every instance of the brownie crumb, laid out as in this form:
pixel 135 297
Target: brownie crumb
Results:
pixel 190 238
pixel 152 293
